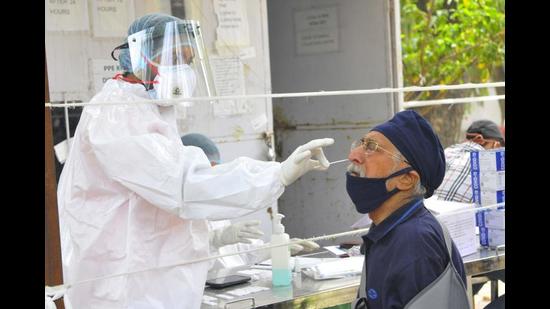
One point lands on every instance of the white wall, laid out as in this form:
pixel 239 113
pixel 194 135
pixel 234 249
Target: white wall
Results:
pixel 318 203
pixel 69 54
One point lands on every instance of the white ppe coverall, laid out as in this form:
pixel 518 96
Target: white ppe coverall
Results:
pixel 132 197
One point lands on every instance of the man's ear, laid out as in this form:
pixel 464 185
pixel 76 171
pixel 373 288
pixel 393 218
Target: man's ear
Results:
pixel 407 181
pixel 479 140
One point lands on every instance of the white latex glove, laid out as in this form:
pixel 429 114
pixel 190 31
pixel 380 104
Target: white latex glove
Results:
pixel 301 160
pixel 305 245
pixel 238 232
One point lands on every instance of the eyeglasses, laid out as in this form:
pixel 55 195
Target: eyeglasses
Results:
pixel 370 146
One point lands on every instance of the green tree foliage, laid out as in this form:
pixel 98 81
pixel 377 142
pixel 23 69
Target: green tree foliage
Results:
pixel 451 42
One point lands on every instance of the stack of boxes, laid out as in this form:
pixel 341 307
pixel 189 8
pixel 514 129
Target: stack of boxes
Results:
pixel 488 178
pixel 491 227
pixel 459 222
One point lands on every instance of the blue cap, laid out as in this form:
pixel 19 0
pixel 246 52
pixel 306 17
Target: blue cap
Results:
pixel 415 138
pixel 204 143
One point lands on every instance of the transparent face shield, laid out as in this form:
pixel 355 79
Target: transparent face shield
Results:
pixel 171 61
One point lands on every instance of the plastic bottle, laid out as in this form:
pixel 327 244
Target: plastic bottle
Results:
pixel 280 256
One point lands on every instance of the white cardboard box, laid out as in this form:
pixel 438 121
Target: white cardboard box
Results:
pixel 488 160
pixel 487 170
pixel 491 237
pixel 489 180
pixel 461 226
pixel 486 198
pixel 492 219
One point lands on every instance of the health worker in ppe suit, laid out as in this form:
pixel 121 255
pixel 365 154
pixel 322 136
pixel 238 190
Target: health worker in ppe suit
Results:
pixel 131 196
pixel 226 237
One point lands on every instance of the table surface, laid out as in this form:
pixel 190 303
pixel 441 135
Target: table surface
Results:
pixel 309 293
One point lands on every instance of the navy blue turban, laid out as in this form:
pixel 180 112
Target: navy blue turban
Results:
pixel 415 138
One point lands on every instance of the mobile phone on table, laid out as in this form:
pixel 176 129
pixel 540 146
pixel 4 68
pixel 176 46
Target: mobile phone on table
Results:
pixel 223 282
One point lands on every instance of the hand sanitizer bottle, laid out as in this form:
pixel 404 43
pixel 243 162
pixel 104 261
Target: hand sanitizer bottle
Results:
pixel 280 256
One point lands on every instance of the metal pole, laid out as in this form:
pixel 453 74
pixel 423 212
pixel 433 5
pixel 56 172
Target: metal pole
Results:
pixel 67 124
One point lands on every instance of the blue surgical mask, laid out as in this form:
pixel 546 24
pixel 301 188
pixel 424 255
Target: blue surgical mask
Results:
pixel 368 194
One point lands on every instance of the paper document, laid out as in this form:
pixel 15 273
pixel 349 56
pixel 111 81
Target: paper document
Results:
pixel 461 225
pixel 247 290
pixel 257 274
pixel 336 250
pixel 304 262
pixel 336 269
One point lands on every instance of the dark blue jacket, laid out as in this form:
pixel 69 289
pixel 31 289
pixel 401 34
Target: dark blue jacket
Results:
pixel 404 254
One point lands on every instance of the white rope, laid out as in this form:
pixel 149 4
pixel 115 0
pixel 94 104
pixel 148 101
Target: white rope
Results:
pixel 63 287
pixel 67 126
pixel 476 209
pixel 52 294
pixel 293 95
pixel 410 104
pixel 213 257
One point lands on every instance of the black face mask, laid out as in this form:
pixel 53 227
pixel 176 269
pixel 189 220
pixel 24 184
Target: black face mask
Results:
pixel 368 194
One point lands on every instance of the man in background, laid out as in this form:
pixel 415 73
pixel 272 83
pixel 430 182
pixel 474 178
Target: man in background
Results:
pixel 457 183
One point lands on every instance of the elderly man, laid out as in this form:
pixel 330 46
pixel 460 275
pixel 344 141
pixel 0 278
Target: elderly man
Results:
pixel 457 183
pixel 410 260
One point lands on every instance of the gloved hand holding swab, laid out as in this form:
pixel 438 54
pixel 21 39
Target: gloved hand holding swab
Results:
pixel 335 162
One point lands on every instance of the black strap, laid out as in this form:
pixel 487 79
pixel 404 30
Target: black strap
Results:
pixel 121 46
pixel 361 303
